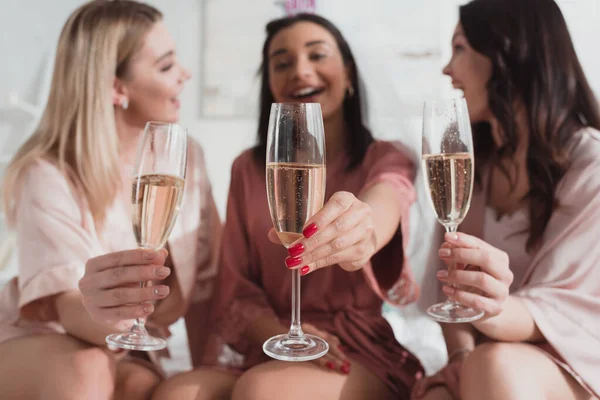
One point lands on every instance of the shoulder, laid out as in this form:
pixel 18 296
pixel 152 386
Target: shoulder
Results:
pixel 383 154
pixel 244 162
pixel 581 182
pixel 383 148
pixel 44 177
pixel 585 151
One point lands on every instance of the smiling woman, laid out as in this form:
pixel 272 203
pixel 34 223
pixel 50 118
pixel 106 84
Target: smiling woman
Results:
pixel 68 196
pixel 351 253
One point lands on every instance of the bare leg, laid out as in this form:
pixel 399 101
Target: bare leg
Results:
pixel 199 384
pixel 437 393
pixel 513 371
pixel 134 381
pixel 53 367
pixel 276 380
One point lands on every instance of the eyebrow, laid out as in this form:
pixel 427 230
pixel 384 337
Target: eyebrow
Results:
pixel 167 54
pixel 307 44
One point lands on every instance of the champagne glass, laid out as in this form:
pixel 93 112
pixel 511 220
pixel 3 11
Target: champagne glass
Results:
pixel 157 190
pixel 295 189
pixel 448 167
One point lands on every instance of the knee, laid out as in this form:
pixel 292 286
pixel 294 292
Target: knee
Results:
pixel 139 384
pixel 94 373
pixel 487 364
pixel 255 386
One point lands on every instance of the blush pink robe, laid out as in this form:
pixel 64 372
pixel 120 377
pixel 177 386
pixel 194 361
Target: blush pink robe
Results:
pixel 56 235
pixel 560 282
pixel 254 281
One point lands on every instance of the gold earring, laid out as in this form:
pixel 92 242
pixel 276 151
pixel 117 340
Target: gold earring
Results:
pixel 350 91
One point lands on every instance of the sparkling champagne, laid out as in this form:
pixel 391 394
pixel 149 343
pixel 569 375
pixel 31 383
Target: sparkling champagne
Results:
pixel 449 178
pixel 156 200
pixel 295 193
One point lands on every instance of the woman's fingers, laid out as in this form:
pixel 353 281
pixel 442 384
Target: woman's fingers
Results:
pixel 335 359
pixel 338 204
pixel 338 229
pixel 121 313
pixel 475 279
pixel 124 275
pixel 272 235
pixel 122 258
pixel 350 247
pixel 127 296
pixel 490 306
pixel 494 263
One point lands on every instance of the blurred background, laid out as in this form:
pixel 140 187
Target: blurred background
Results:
pixel 400 46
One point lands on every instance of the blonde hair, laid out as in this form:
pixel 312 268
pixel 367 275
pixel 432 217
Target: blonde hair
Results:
pixel 77 130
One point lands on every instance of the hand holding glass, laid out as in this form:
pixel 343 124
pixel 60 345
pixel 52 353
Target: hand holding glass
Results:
pixel 448 168
pixel 157 190
pixel 295 190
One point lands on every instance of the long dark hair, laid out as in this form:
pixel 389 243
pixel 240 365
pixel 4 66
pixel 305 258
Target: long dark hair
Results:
pixel 534 62
pixel 359 136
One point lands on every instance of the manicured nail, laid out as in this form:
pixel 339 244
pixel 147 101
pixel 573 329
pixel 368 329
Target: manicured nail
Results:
pixel 448 290
pixel 293 261
pixel 445 252
pixel 304 270
pixel 161 291
pixel 345 369
pixel 162 272
pixel 442 274
pixel 148 309
pixel 330 365
pixel 346 363
pixel 150 255
pixel 310 230
pixel 296 250
pixel 452 236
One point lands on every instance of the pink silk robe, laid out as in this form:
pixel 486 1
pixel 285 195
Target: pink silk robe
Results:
pixel 561 285
pixel 255 282
pixel 56 235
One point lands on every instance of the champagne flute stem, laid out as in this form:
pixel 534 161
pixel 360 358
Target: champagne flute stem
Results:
pixel 451 229
pixel 139 323
pixel 296 328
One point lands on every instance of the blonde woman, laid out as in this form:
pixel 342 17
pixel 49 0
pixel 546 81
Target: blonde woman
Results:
pixel 67 196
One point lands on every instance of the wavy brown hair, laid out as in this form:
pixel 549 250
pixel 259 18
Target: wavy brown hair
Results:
pixel 533 62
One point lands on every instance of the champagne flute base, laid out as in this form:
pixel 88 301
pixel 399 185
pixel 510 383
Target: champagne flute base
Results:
pixel 452 312
pixel 287 348
pixel 136 341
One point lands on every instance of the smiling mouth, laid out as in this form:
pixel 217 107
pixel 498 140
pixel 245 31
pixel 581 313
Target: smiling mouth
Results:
pixel 306 92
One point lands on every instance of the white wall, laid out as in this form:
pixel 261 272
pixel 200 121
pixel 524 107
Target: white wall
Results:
pixel 31 29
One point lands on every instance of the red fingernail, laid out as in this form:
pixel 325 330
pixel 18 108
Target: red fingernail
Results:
pixel 296 250
pixel 304 270
pixel 347 363
pixel 345 369
pixel 293 261
pixel 330 365
pixel 310 230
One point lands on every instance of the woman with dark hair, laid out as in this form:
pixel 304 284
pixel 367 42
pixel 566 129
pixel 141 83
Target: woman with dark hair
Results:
pixel 360 230
pixel 527 254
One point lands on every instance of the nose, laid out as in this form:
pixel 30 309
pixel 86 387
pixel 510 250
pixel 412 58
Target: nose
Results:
pixel 447 70
pixel 185 75
pixel 303 68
